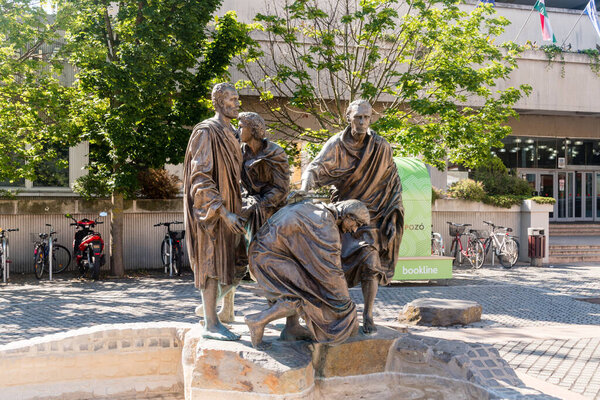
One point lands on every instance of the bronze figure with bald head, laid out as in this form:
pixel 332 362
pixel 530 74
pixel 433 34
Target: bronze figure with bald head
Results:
pixel 212 207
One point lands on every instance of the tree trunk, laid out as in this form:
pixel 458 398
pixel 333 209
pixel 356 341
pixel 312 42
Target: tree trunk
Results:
pixel 117 268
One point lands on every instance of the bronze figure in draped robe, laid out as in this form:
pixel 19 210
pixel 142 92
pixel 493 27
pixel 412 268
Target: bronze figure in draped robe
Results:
pixel 212 204
pixel 359 164
pixel 296 258
pixel 265 173
pixel 265 183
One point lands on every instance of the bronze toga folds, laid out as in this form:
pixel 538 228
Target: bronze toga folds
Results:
pixel 295 257
pixel 266 181
pixel 367 173
pixel 211 174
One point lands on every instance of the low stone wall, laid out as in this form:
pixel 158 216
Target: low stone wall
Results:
pixel 171 361
pixel 117 361
pixel 142 240
pixel 518 217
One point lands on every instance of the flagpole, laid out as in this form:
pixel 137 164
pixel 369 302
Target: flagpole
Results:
pixel 524 23
pixel 571 31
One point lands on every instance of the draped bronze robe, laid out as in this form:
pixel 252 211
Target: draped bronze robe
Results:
pixel 295 257
pixel 266 182
pixel 211 173
pixel 367 173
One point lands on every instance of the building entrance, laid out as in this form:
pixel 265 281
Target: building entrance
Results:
pixel 577 193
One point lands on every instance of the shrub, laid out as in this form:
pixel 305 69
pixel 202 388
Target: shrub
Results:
pixel 436 194
pixel 497 181
pixel 544 200
pixel 504 201
pixel 158 184
pixel 467 189
pixel 92 185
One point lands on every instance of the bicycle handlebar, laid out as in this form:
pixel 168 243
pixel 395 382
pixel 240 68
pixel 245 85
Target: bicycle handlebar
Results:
pixel 455 224
pixel 168 223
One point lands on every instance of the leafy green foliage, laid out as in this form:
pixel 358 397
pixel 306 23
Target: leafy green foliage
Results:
pixel 421 59
pixel 497 180
pixel 34 105
pixel 504 200
pixel 91 186
pixel 467 189
pixel 544 200
pixel 436 193
pixel 146 70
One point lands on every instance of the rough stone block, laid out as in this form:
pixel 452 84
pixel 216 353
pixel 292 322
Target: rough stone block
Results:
pixel 211 367
pixel 359 355
pixel 440 312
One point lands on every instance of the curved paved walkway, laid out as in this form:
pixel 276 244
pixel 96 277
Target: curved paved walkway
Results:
pixel 531 315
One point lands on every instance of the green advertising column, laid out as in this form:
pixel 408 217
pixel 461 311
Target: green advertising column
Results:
pixel 415 261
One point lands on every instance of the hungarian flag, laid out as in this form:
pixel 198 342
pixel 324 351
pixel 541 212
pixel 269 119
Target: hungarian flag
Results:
pixel 547 33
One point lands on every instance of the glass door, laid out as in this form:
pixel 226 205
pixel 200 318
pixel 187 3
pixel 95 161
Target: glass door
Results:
pixel 588 193
pixel 561 198
pixel 547 187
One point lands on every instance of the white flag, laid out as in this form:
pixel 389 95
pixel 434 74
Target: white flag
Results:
pixel 590 10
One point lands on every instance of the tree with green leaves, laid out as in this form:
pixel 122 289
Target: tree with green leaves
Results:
pixel 430 68
pixel 145 73
pixel 34 105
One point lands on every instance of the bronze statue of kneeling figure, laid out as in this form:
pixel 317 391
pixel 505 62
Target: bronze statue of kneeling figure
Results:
pixel 296 258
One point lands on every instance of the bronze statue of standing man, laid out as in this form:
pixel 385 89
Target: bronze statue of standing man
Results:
pixel 212 204
pixel 359 164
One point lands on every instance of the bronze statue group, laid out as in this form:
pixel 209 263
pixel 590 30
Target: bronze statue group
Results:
pixel 303 255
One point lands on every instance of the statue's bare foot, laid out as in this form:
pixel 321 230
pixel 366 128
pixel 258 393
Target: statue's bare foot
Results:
pixel 219 332
pixel 257 330
pixel 368 325
pixel 295 332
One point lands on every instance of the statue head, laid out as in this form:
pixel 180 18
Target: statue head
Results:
pixel 353 215
pixel 252 126
pixel 226 100
pixel 359 114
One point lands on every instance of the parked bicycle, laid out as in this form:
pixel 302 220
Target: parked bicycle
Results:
pixel 503 246
pixel 44 244
pixel 471 251
pixel 4 253
pixel 171 253
pixel 88 245
pixel 437 244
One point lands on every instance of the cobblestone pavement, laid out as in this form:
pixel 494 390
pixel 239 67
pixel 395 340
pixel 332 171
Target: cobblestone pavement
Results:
pixel 518 299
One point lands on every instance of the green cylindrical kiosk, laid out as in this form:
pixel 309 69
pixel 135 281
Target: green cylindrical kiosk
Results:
pixel 415 261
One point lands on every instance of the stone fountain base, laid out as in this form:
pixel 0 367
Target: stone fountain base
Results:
pixel 172 361
pixel 388 364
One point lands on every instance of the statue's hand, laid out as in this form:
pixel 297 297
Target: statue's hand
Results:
pixel 295 196
pixel 234 222
pixel 249 204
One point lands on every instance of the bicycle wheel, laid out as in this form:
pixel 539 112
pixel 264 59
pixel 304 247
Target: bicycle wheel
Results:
pixel 177 260
pixel 39 261
pixel 456 253
pixel 510 253
pixel 475 253
pixel 165 252
pixel 61 258
pixel 436 247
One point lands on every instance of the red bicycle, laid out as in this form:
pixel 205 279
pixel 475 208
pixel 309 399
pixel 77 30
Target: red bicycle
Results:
pixel 473 251
pixel 88 245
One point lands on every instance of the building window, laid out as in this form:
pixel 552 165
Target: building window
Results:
pixel 532 152
pixel 54 173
